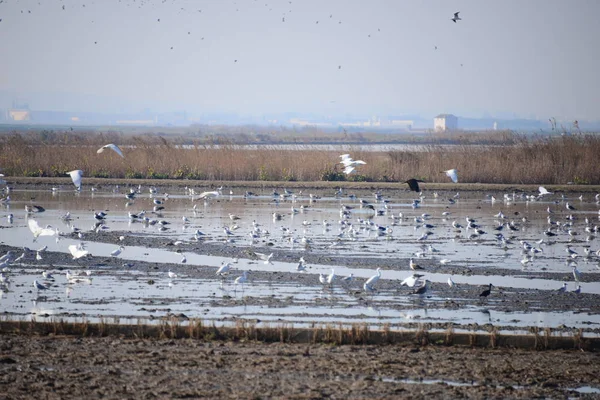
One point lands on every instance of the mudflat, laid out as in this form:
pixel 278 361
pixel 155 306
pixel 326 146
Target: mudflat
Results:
pixel 68 367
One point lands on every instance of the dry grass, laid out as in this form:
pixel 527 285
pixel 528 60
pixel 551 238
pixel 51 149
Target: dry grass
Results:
pixel 510 158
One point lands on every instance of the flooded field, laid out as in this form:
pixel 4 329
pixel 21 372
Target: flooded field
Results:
pixel 171 243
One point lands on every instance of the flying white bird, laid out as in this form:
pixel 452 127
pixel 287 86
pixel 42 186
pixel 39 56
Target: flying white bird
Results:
pixel 38 230
pixel 349 163
pixel 77 251
pixel 113 147
pixel 266 258
pixel 76 176
pixel 452 174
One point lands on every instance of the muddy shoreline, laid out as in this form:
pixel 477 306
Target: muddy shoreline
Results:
pixel 53 367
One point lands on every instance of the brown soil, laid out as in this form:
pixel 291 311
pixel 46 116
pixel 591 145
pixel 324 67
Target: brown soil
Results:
pixel 59 367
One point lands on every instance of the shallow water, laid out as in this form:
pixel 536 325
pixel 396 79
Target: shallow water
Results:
pixel 123 291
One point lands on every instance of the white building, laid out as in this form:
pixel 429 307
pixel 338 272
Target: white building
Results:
pixel 445 122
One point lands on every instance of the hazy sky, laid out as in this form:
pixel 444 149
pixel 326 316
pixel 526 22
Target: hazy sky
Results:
pixel 534 58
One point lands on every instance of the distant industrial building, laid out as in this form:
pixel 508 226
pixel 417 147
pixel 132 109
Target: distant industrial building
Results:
pixel 445 122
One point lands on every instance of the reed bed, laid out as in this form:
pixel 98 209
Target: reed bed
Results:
pixel 334 334
pixel 510 159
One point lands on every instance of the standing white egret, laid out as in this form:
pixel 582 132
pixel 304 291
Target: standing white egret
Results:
pixel 331 277
pixel 112 147
pixel 242 279
pixel 368 285
pixel 451 282
pixel 452 174
pixel 76 176
pixel 223 269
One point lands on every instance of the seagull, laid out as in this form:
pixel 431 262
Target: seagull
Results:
pixel 368 285
pixel 39 286
pixel 413 184
pixel 578 290
pixel 172 274
pixel 113 147
pixel 423 289
pixel 563 288
pixel 348 278
pixel 569 207
pixel 76 176
pixel 412 280
pixel 116 252
pixel 456 17
pixel 452 174
pixel 323 279
pixel 414 266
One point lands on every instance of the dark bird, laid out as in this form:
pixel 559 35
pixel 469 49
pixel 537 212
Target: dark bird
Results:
pixel 456 17
pixel 486 292
pixel 413 184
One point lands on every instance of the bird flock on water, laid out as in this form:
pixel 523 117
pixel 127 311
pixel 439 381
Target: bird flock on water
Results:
pixel 356 221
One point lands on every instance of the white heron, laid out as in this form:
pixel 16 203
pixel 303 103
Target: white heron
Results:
pixel 544 191
pixel 368 285
pixel 452 174
pixel 451 282
pixel 241 279
pixel 76 176
pixel 112 147
pixel 331 277
pixel 223 269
